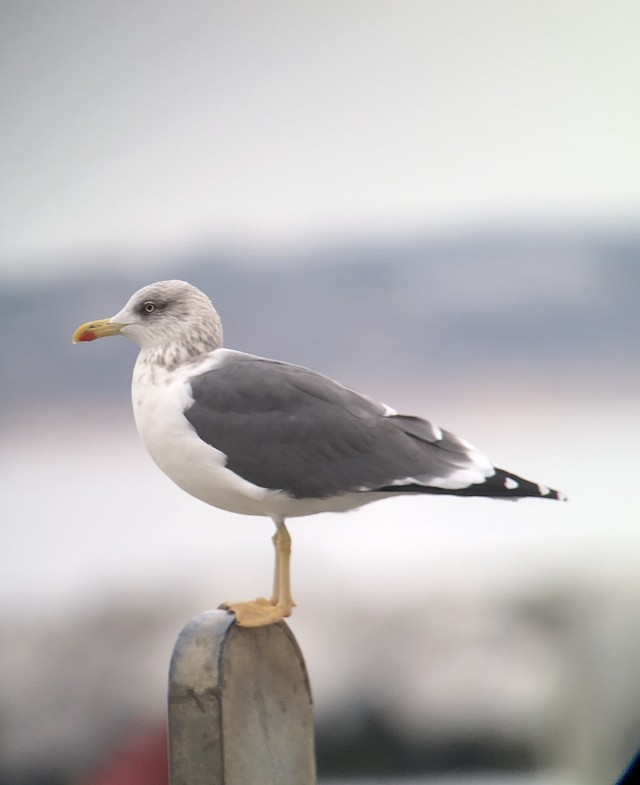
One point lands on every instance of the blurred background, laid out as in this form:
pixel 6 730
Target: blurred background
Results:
pixel 437 203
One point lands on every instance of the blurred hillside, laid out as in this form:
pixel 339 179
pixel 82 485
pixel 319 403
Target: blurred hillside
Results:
pixel 438 311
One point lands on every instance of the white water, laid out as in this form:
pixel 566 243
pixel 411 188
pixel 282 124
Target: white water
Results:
pixel 83 509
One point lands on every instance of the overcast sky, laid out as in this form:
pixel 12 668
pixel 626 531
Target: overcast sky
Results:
pixel 147 124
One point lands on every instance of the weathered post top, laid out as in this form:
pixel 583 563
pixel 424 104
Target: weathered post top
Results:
pixel 239 706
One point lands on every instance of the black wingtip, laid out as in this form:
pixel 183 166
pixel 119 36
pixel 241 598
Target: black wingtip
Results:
pixel 506 485
pixel 501 485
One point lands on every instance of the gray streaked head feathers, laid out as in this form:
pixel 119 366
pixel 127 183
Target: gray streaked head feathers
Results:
pixel 168 314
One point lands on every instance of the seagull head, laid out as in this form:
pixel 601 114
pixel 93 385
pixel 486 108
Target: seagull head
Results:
pixel 162 315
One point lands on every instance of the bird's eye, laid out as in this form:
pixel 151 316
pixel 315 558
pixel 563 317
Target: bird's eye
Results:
pixel 149 307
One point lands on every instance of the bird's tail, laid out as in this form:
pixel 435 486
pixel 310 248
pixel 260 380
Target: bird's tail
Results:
pixel 501 485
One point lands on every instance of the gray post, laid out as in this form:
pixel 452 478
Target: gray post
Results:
pixel 239 706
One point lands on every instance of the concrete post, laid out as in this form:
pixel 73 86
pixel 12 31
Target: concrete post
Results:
pixel 239 706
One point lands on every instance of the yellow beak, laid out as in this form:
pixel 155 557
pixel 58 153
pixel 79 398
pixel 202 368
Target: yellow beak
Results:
pixel 98 329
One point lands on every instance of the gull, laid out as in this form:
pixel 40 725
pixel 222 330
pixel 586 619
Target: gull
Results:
pixel 261 437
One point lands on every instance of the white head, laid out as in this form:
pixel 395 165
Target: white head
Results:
pixel 162 317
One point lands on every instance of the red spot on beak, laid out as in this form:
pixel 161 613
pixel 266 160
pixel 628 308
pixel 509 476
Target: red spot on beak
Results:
pixel 87 335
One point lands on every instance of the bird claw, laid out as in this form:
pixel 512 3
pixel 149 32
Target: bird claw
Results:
pixel 256 613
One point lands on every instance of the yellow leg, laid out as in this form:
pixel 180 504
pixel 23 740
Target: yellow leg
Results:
pixel 261 612
pixel 282 574
pixel 276 568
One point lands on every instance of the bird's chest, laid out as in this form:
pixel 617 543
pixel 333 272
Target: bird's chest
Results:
pixel 158 408
pixel 159 402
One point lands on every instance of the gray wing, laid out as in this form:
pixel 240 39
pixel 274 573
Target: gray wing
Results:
pixel 287 428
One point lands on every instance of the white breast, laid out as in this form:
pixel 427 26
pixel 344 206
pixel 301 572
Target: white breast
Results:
pixel 159 399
